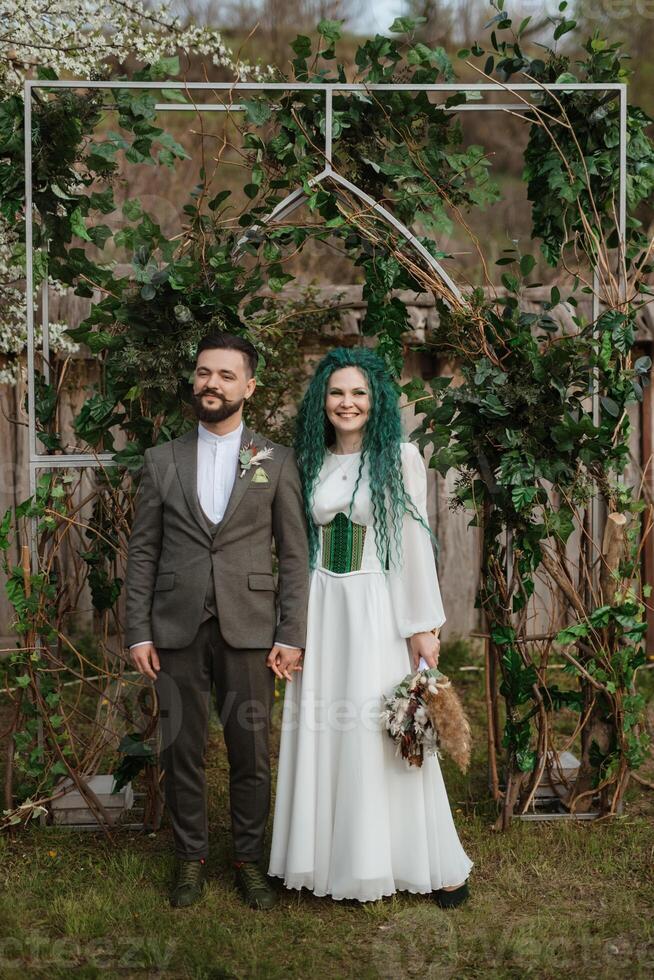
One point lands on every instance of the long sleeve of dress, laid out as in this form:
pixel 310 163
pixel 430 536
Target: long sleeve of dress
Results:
pixel 414 588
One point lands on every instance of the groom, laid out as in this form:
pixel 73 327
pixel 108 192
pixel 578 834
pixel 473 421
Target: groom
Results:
pixel 203 609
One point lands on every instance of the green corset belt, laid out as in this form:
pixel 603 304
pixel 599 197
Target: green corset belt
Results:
pixel 342 545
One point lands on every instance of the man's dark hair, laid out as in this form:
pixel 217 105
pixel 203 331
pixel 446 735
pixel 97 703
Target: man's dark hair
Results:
pixel 231 341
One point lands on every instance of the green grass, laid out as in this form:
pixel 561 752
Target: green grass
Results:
pixel 548 900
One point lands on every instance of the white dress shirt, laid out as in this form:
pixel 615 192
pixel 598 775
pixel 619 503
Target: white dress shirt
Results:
pixel 216 474
pixel 217 464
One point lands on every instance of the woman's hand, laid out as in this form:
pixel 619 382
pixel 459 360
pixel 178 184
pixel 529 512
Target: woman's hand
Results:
pixel 427 646
pixel 283 660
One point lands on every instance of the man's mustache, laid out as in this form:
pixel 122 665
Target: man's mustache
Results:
pixel 210 391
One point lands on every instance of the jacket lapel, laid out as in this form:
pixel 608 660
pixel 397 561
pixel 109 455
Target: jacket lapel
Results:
pixel 185 450
pixel 241 483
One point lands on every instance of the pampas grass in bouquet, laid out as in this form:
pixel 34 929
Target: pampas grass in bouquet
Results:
pixel 424 715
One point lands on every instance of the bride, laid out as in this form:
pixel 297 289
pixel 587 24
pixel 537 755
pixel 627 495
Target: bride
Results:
pixel 353 820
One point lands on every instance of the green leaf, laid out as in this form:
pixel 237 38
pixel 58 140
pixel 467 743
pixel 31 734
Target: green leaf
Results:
pixel 623 337
pixel 302 46
pixel 77 225
pixel 331 30
pixel 108 149
pixel 523 497
pixel 502 634
pixel 271 252
pixel 164 67
pixel 563 28
pixel 566 76
pixel 527 263
pixel 133 210
pixel 5 528
pixel 100 235
pixel 102 201
pixel 174 94
pixel 218 200
pixel 526 760
pixel 571 634
pixel 57 191
pixel 277 283
pixel 406 25
pixel 336 222
pixel 130 456
pixel 141 104
pixel 168 140
pixel 561 523
pixel 258 111
pixel 523 25
pixel 610 406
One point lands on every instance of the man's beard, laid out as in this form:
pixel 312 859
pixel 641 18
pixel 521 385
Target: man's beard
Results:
pixel 219 414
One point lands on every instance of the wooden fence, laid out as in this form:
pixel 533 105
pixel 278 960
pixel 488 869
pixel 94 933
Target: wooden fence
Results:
pixel 458 563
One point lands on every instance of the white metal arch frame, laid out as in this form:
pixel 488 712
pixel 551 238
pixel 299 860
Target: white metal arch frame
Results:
pixel 48 461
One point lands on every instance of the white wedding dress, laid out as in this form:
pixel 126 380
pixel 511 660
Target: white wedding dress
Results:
pixel 352 819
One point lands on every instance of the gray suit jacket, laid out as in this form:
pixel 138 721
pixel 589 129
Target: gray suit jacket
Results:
pixel 172 552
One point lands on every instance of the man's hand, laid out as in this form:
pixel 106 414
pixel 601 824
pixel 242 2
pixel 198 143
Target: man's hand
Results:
pixel 427 646
pixel 283 660
pixel 145 659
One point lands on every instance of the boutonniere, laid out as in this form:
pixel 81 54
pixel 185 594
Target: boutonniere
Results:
pixel 249 457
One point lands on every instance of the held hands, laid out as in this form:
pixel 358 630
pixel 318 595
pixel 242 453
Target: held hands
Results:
pixel 283 660
pixel 145 659
pixel 427 646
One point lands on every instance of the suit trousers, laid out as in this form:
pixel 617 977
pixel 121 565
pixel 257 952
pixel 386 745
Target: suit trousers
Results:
pixel 244 691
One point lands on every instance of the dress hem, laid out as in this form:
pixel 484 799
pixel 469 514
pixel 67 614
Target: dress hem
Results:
pixel 375 898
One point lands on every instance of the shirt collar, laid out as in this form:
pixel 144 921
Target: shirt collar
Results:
pixel 206 436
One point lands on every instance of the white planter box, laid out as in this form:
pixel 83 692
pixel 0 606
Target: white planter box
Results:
pixel 565 769
pixel 72 808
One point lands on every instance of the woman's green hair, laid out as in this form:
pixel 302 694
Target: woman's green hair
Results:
pixel 381 447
